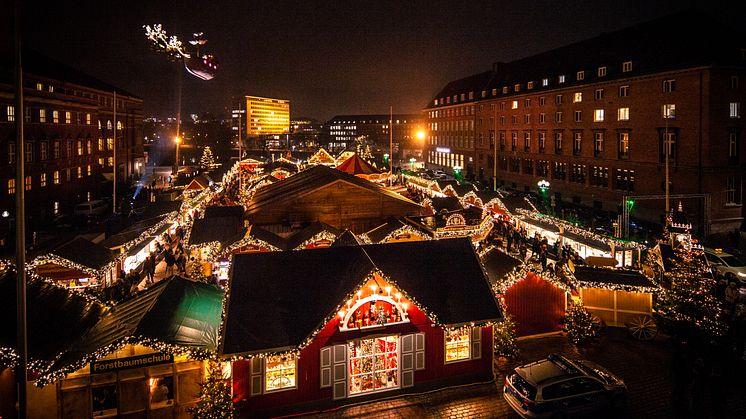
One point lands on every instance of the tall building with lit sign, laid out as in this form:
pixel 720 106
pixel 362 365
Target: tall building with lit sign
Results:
pixel 267 116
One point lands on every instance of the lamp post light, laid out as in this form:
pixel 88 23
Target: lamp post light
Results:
pixel 177 140
pixel 544 190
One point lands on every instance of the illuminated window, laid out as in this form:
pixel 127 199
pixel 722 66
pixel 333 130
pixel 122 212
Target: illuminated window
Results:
pixel 80 148
pixel 505 89
pixel 11 186
pixel 601 71
pixel 89 147
pixel 56 207
pixel 56 117
pixel 580 75
pixel 119 125
pixel 735 109
pixel 43 180
pixel 80 172
pixel 623 148
pixel 42 115
pixel 598 115
pixel 88 119
pixel 51 89
pixel 161 391
pixel 514 105
pixel 28 183
pixel 88 171
pixel 622 114
pixel 100 144
pixel 11 113
pixel 101 162
pixel 39 86
pixel 109 143
pixel 627 66
pixel 374 364
pixel 562 79
pixel 544 82
pixel 577 97
pixel 458 344
pixel 669 111
pixel 56 177
pixel 280 372
pixel 111 161
pixel 68 117
pixel 530 85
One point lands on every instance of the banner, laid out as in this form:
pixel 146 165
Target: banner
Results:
pixel 109 365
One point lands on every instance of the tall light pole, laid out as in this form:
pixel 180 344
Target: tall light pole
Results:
pixel 177 140
pixel 114 158
pixel 391 144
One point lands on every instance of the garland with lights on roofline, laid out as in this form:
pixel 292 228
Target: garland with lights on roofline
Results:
pixel 324 235
pixel 613 287
pixel 519 273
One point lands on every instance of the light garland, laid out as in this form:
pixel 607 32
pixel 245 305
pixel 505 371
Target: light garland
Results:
pixel 405 229
pixel 614 287
pixel 323 235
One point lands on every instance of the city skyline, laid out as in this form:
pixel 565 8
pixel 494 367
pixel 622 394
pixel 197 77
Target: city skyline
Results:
pixel 329 58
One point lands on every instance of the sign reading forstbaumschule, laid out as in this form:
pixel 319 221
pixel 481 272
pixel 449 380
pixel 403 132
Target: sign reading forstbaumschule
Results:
pixel 109 365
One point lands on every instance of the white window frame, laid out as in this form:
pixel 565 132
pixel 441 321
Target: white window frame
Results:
pixel 598 115
pixel 622 114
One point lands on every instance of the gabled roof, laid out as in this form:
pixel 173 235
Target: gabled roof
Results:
pixel 199 183
pixel 497 264
pixel 355 165
pixel 55 316
pixel 278 299
pixel 175 311
pixel 307 181
pixel 461 189
pixel 223 224
pixel 514 202
pixel 487 195
pixel 447 203
pixel 308 233
pixel 267 236
pixel 321 157
pixel 588 275
pixel 347 238
pixel 472 216
pixel 86 253
pixel 280 164
pixel 379 233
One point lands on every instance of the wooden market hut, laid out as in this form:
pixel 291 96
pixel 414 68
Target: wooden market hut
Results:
pixel 470 222
pixel 328 195
pixel 454 188
pixel 347 238
pixel 222 224
pixel 617 296
pixel 395 230
pixel 322 157
pixel 302 319
pixel 314 235
pixel 78 263
pixel 199 183
pixel 439 204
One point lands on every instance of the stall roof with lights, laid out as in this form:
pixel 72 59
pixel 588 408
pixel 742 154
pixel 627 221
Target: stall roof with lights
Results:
pixel 199 183
pixel 86 253
pixel 222 224
pixel 447 203
pixel 347 238
pixel 279 299
pixel 355 165
pixel 626 278
pixel 497 264
pixel 382 231
pixel 460 189
pixel 315 229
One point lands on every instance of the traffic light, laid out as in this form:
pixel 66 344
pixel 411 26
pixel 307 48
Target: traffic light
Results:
pixel 630 204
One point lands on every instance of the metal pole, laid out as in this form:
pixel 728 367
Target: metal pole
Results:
pixel 114 197
pixel 239 129
pixel 494 150
pixel 20 373
pixel 178 115
pixel 391 144
pixel 666 154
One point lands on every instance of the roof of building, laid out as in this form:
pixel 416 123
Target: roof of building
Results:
pixel 307 181
pixel 681 40
pixel 472 216
pixel 55 316
pixel 461 189
pixel 383 118
pixel 86 253
pixel 621 277
pixel 175 311
pixel 267 236
pixel 497 264
pixel 347 238
pixel 379 233
pixel 308 232
pixel 446 203
pixel 223 224
pixel 355 165
pixel 278 299
pixel 199 183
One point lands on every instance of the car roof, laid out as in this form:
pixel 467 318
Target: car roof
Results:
pixel 554 368
pixel 717 252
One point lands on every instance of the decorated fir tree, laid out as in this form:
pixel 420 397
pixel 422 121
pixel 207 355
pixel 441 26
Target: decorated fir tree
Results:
pixel 207 161
pixel 505 338
pixel 215 395
pixel 579 325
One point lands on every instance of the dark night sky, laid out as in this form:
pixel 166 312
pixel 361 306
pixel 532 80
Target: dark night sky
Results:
pixel 327 57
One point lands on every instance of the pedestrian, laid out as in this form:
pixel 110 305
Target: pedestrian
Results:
pixel 149 268
pixel 170 262
pixel 523 250
pixel 181 263
pixel 543 258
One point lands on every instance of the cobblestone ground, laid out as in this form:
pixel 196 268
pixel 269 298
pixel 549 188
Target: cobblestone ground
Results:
pixel 646 368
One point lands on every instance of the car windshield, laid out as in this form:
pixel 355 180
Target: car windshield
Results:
pixel 733 261
pixel 594 370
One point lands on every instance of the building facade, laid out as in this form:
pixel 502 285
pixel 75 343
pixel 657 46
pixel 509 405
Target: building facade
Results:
pixel 69 133
pixel 267 116
pixel 346 132
pixel 598 120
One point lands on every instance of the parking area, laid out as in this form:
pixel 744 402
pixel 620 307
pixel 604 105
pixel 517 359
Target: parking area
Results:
pixel 646 367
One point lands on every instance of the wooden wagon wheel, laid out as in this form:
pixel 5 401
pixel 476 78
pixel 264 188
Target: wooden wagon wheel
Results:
pixel 642 327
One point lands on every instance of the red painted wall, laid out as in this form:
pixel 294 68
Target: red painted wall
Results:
pixel 309 380
pixel 535 305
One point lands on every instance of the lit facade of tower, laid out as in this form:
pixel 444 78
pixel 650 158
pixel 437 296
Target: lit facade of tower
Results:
pixel 267 116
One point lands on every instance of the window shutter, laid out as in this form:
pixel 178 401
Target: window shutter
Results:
pixel 326 367
pixel 339 372
pixel 419 351
pixel 476 343
pixel 407 360
pixel 257 370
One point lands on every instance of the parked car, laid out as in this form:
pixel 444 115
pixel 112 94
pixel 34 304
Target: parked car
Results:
pixel 96 207
pixel 730 266
pixel 557 387
pixel 439 174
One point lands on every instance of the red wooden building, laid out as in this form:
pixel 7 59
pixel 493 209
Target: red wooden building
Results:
pixel 339 325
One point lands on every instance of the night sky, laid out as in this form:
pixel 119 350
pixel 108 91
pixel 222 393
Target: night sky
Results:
pixel 327 57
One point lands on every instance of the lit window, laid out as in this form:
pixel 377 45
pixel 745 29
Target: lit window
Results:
pixel 56 177
pixel 56 117
pixel 580 75
pixel 735 109
pixel 517 88
pixel 42 115
pixel 88 171
pixel 89 147
pixel 11 113
pixel 562 78
pixel 109 143
pixel 161 391
pixel 577 97
pixel 43 180
pixel 101 161
pixel 530 85
pixel 279 372
pixel 39 86
pixel 514 105
pixel 627 66
pixel 598 115
pixel 669 111
pixel 373 364
pixel 623 148
pixel 88 119
pixel 51 89
pixel 80 172
pixel 458 344
pixel 28 183
pixel 100 144
pixel 80 148
pixel 68 117
pixel 56 208
pixel 111 161
pixel 601 71
pixel 494 92
pixel 622 114
pixel 11 186
pixel 544 82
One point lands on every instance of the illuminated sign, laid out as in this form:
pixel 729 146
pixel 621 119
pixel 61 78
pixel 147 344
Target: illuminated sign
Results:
pixel 148 360
pixel 443 150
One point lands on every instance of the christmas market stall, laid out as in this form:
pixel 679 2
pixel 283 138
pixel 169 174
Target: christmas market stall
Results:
pixel 392 231
pixel 322 157
pixel 347 238
pixel 438 204
pixel 221 227
pixel 79 263
pixel 144 358
pixel 314 235
pixel 454 188
pixel 619 297
pixel 280 169
pixel 199 183
pixel 55 317
pixel 344 156
pixel 347 324
pixel 470 222
pixel 355 165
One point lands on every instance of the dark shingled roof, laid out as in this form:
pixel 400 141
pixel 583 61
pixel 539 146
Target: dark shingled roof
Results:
pixel 347 238
pixel 131 233
pixel 55 316
pixel 85 252
pixel 461 189
pixel 175 311
pixel 307 181
pixel 267 236
pixel 223 224
pixel 624 277
pixel 308 232
pixel 383 230
pixel 296 291
pixel 497 264
pixel 448 203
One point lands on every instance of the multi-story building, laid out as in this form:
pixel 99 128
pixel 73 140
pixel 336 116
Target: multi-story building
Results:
pixel 599 119
pixel 69 130
pixel 305 133
pixel 267 116
pixel 349 131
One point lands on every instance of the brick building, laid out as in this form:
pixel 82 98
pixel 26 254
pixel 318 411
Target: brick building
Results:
pixel 69 136
pixel 595 118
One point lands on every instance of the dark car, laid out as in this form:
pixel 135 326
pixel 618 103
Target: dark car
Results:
pixel 557 387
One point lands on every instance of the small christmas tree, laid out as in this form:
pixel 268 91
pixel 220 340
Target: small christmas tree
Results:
pixel 207 161
pixel 579 325
pixel 505 338
pixel 215 395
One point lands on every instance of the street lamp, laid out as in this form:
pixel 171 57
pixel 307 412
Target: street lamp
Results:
pixel 177 140
pixel 420 135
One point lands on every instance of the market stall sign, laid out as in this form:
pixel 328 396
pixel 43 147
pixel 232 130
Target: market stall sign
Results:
pixel 109 365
